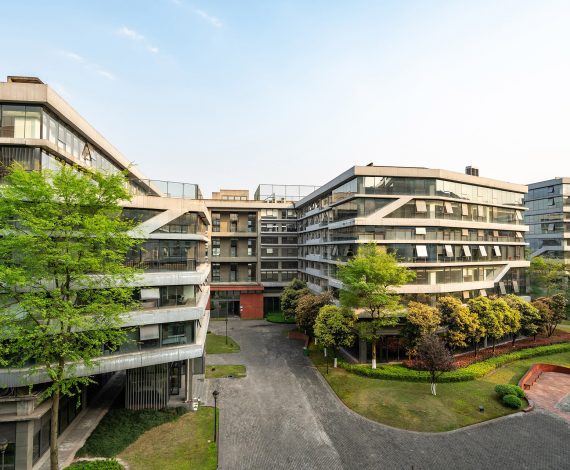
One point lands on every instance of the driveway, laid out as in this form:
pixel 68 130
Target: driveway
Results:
pixel 285 416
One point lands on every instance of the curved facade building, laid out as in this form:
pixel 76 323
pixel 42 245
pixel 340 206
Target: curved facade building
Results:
pixel 461 234
pixel 39 130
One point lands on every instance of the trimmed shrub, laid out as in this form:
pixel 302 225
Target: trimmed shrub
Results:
pixel 509 389
pixel 512 401
pixel 111 464
pixel 471 372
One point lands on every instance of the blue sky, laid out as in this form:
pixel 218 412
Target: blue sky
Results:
pixel 236 93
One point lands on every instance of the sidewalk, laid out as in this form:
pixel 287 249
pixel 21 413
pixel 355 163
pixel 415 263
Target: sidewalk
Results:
pixel 77 433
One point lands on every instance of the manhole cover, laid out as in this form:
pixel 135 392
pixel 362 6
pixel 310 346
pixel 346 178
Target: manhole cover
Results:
pixel 564 404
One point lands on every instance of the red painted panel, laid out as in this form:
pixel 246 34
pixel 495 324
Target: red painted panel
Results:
pixel 251 306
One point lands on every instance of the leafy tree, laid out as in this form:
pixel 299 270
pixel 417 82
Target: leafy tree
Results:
pixel 334 328
pixel 552 310
pixel 63 249
pixel 435 358
pixel 368 281
pixel 496 316
pixel 421 320
pixel 308 307
pixel 295 289
pixel 530 320
pixel 548 276
pixel 463 325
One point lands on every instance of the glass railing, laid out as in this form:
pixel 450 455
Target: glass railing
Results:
pixel 165 265
pixel 165 189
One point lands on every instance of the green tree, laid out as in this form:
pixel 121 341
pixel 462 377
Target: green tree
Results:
pixel 368 281
pixel 421 320
pixel 552 310
pixel 435 358
pixel 334 328
pixel 62 250
pixel 292 292
pixel 530 320
pixel 548 277
pixel 495 316
pixel 463 325
pixel 308 307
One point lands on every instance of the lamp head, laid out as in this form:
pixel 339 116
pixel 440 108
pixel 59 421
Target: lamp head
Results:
pixel 3 444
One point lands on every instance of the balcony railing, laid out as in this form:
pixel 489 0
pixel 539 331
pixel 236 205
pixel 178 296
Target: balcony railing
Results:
pixel 165 265
pixel 166 188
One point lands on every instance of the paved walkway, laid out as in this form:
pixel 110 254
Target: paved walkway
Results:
pixel 283 415
pixel 552 393
pixel 73 438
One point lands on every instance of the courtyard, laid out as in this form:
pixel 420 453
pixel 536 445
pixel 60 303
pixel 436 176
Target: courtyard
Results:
pixel 283 414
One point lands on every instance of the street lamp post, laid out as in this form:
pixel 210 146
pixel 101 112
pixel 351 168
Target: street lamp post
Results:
pixel 226 326
pixel 3 447
pixel 215 394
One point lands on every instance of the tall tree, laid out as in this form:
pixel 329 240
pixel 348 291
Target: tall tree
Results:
pixel 434 357
pixel 368 281
pixel 491 315
pixel 548 276
pixel 530 320
pixel 463 325
pixel 334 328
pixel 291 294
pixel 552 310
pixel 308 307
pixel 62 251
pixel 421 320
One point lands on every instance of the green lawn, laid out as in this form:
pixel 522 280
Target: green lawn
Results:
pixel 184 444
pixel 564 326
pixel 409 405
pixel 216 344
pixel 224 371
pixel 119 428
pixel 277 317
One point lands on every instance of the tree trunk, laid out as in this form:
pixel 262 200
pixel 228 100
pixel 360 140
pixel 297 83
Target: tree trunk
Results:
pixel 514 339
pixel 433 389
pixel 475 342
pixel 335 363
pixel 534 336
pixel 53 447
pixel 374 354
pixel 493 345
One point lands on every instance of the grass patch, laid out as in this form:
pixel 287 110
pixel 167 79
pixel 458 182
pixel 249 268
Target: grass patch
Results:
pixel 216 344
pixel 277 317
pixel 409 405
pixel 564 326
pixel 181 444
pixel 225 371
pixel 119 428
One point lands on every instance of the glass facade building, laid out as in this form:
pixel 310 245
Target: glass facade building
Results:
pixel 548 218
pixel 461 234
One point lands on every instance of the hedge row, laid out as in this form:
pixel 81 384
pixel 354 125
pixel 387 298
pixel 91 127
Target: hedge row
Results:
pixel 111 464
pixel 471 372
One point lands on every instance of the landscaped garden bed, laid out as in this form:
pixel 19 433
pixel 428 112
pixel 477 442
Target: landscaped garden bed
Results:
pixel 408 404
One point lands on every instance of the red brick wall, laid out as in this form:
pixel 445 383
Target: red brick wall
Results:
pixel 251 306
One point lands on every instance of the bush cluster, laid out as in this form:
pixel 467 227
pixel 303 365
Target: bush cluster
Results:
pixel 512 401
pixel 471 372
pixel 509 389
pixel 110 464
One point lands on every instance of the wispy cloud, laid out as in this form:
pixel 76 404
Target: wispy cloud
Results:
pixel 133 35
pixel 130 34
pixel 87 65
pixel 213 20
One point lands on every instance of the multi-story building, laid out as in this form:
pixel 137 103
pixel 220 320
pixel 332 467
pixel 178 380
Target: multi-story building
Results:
pixel 548 218
pixel 461 234
pixel 39 130
pixel 253 248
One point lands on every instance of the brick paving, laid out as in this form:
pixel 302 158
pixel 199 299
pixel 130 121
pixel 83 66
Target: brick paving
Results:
pixel 283 415
pixel 552 393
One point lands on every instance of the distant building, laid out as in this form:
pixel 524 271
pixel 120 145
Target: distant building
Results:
pixel 548 203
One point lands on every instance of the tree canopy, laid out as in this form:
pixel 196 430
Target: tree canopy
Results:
pixel 62 253
pixel 334 327
pixel 421 320
pixel 308 307
pixel 291 294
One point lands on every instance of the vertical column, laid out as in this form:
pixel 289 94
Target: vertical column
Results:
pixel 188 379
pixel 24 445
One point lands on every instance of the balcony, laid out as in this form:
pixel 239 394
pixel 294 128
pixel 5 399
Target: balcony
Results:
pixel 165 189
pixel 151 266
